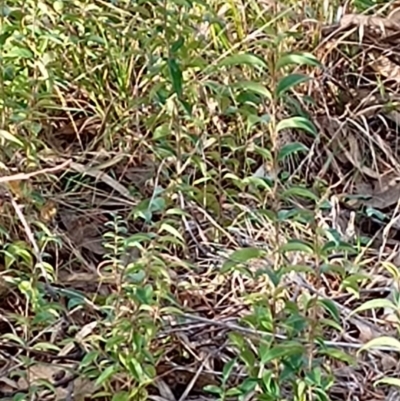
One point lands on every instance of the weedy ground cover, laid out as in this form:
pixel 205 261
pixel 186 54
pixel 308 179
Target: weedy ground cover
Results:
pixel 199 200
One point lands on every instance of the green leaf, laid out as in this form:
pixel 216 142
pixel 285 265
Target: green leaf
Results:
pixel 339 355
pixel 328 305
pixel 227 370
pixel 255 87
pixel 121 396
pixel 106 374
pixel 43 346
pixel 373 304
pixel 171 230
pixel 213 389
pixel 292 148
pixel 300 192
pixel 233 392
pixel 289 82
pixel 297 122
pixel 14 338
pixel 298 59
pixel 10 137
pixel 380 342
pixel 19 52
pixel 242 256
pixel 176 76
pixel 281 351
pixel 245 58
pixel 391 381
pixel 295 245
pixel 177 44
pixel 330 323
pixel 338 246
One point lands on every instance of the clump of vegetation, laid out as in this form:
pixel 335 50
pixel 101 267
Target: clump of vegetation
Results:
pixel 199 200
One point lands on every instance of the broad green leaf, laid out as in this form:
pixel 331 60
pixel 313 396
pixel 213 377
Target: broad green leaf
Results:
pixel 338 246
pixel 121 396
pixel 374 304
pixel 297 122
pixel 14 338
pixel 245 58
pixel 331 308
pixel 227 370
pixel 292 148
pixel 264 152
pixel 171 230
pixel 330 323
pixel 298 59
pixel 296 245
pixel 253 119
pixel 42 346
pixel 176 76
pixel 339 355
pixel 300 192
pixel 177 44
pixel 380 342
pixel 211 388
pixel 391 381
pixel 253 87
pixel 281 351
pixel 105 375
pixel 257 182
pixel 289 82
pixel 10 137
pixel 18 52
pixel 242 256
pixel 233 392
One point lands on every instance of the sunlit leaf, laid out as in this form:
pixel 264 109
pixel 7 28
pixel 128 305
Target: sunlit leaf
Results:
pixel 374 304
pixel 10 137
pixel 391 381
pixel 392 269
pixel 58 6
pixel 171 230
pixel 213 389
pixel 298 59
pixel 18 52
pixel 255 87
pixel 330 323
pixel 295 245
pixel 381 342
pixel 242 256
pixel 297 122
pixel 240 59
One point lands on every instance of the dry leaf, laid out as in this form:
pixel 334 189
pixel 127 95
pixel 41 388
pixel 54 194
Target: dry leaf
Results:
pixel 83 233
pixel 366 332
pixel 48 211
